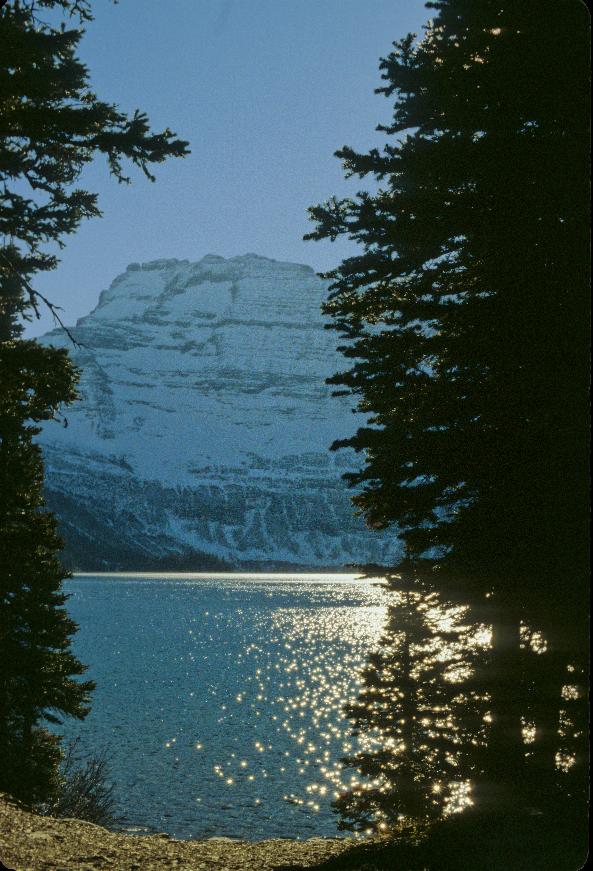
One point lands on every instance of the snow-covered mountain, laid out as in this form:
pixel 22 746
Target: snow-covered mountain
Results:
pixel 204 423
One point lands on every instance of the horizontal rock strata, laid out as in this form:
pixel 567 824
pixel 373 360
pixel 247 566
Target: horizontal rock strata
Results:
pixel 203 429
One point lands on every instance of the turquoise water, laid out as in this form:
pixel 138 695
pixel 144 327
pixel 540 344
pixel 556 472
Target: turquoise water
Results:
pixel 219 697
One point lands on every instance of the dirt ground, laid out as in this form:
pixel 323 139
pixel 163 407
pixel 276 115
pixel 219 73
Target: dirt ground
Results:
pixel 33 843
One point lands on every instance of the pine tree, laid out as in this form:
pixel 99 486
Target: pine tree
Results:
pixel 38 676
pixel 465 321
pixel 415 720
pixel 51 126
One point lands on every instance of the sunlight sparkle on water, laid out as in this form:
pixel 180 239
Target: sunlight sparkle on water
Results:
pixel 299 691
pixel 224 691
pixel 228 692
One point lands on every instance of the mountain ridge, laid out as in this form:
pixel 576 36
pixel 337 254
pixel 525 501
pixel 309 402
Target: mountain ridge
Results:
pixel 204 424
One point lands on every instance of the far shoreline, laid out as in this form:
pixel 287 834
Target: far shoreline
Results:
pixel 303 576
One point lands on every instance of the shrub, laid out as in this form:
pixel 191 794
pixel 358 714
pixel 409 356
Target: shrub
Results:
pixel 86 792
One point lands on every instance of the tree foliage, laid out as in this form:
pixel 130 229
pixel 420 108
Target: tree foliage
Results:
pixel 464 320
pixel 38 677
pixel 51 126
pixel 466 311
pixel 415 719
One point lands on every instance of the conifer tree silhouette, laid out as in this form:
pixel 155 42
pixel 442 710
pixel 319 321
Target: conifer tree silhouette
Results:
pixel 52 125
pixel 464 323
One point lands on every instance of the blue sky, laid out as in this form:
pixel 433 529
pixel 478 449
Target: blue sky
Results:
pixel 265 91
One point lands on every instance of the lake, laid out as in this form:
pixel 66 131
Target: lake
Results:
pixel 219 697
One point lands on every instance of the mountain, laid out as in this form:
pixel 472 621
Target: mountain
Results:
pixel 201 436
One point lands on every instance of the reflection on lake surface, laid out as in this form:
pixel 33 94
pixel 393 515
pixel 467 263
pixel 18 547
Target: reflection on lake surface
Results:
pixel 244 705
pixel 219 697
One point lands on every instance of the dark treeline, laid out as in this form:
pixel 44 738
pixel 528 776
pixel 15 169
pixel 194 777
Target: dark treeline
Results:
pixel 464 321
pixel 51 126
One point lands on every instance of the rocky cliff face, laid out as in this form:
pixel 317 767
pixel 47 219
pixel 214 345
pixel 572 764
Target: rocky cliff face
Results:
pixel 204 422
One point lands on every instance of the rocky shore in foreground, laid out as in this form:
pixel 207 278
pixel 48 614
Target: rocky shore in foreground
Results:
pixel 33 843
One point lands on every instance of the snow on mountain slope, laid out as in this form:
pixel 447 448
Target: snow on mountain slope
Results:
pixel 204 422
